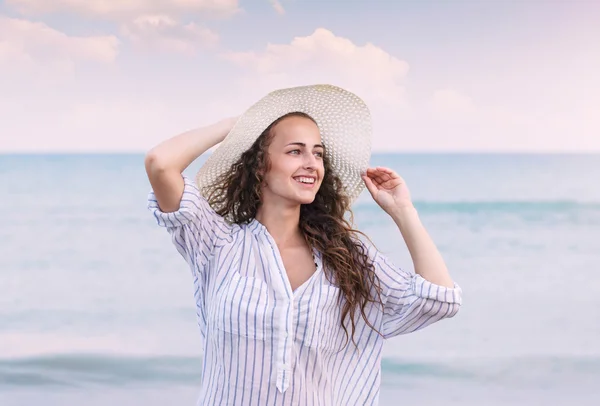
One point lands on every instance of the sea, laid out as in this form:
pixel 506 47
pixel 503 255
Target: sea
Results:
pixel 96 305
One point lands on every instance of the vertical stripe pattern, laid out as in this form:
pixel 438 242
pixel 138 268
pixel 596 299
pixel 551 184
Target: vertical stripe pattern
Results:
pixel 265 344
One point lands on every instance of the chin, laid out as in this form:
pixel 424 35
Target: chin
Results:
pixel 307 201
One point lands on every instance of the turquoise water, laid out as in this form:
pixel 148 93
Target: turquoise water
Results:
pixel 96 305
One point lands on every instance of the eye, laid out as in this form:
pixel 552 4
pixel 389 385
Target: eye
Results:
pixel 294 151
pixel 319 154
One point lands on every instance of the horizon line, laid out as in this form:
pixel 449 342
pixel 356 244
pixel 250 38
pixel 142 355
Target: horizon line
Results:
pixel 375 152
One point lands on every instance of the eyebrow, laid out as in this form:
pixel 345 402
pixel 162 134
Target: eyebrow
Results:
pixel 304 145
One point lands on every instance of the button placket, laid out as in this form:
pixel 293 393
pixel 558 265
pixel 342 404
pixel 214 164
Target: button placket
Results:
pixel 284 370
pixel 284 351
pixel 287 296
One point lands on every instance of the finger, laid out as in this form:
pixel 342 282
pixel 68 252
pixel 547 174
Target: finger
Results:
pixel 368 181
pixel 383 178
pixel 391 173
pixel 381 170
pixel 384 169
pixel 387 182
pixel 378 180
pixel 391 184
pixel 376 174
pixel 374 178
pixel 370 185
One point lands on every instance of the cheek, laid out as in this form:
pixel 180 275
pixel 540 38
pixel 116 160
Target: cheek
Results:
pixel 282 169
pixel 276 175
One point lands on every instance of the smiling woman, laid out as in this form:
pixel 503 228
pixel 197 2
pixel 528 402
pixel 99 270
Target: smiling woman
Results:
pixel 292 304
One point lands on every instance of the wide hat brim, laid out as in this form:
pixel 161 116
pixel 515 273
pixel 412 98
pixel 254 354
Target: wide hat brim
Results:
pixel 343 119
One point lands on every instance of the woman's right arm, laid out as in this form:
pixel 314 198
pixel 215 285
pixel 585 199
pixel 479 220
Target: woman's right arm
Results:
pixel 165 162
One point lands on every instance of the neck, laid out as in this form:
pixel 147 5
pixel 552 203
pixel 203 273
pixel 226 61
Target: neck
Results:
pixel 282 224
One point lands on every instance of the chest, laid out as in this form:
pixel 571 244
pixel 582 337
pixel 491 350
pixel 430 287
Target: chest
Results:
pixel 248 307
pixel 299 264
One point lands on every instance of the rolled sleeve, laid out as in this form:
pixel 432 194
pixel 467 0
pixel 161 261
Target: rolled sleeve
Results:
pixel 428 290
pixel 410 301
pixel 196 229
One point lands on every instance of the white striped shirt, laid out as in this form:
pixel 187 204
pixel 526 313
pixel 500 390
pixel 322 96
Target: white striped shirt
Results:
pixel 265 344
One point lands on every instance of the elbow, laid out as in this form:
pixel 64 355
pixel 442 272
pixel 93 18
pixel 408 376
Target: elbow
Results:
pixel 150 159
pixel 153 163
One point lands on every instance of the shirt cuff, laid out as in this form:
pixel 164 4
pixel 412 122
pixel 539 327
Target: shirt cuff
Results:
pixel 425 289
pixel 189 206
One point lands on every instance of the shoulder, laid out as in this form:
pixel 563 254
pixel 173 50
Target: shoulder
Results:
pixel 364 244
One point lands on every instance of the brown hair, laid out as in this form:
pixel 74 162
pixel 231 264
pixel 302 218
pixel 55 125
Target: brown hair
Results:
pixel 238 194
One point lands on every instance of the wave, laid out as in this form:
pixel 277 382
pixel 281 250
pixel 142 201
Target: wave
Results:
pixel 93 370
pixel 505 206
pixel 82 370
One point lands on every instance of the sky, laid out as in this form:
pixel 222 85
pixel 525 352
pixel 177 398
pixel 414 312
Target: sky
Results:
pixel 438 76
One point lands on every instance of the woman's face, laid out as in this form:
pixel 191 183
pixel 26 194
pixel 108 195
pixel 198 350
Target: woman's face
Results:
pixel 296 162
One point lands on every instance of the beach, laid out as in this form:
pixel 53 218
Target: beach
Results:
pixel 96 305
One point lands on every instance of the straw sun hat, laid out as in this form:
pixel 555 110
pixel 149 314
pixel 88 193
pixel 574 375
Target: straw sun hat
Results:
pixel 343 120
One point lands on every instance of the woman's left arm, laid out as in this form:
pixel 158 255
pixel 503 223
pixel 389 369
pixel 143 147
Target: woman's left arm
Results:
pixel 411 301
pixel 390 192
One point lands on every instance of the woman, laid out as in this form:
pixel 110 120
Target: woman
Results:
pixel 292 305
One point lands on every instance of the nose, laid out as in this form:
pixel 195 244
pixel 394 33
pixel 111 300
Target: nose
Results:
pixel 310 161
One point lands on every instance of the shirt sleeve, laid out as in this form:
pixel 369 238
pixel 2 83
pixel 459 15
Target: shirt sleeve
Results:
pixel 195 228
pixel 410 301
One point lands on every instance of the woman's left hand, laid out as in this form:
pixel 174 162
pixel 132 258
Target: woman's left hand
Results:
pixel 387 188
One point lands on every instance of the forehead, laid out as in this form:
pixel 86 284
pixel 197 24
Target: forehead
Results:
pixel 296 129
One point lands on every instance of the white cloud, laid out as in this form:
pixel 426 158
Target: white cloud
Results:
pixel 164 33
pixel 153 24
pixel 102 109
pixel 125 9
pixel 277 6
pixel 13 53
pixel 323 57
pixel 25 43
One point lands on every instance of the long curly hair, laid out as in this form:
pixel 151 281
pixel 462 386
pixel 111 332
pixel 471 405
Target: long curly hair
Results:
pixel 237 195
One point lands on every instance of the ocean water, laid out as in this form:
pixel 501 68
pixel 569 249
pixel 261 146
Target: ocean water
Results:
pixel 96 305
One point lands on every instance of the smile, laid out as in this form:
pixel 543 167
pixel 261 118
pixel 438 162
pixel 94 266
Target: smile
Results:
pixel 305 180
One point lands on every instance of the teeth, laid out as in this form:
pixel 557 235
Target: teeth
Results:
pixel 305 180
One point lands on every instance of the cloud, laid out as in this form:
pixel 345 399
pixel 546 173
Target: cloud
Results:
pixel 166 34
pixel 124 9
pixel 323 57
pixel 35 44
pixel 277 6
pixel 149 24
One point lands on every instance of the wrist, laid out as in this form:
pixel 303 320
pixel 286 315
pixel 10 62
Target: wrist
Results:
pixel 404 214
pixel 225 125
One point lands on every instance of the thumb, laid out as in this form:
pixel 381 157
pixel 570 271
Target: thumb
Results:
pixel 370 185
